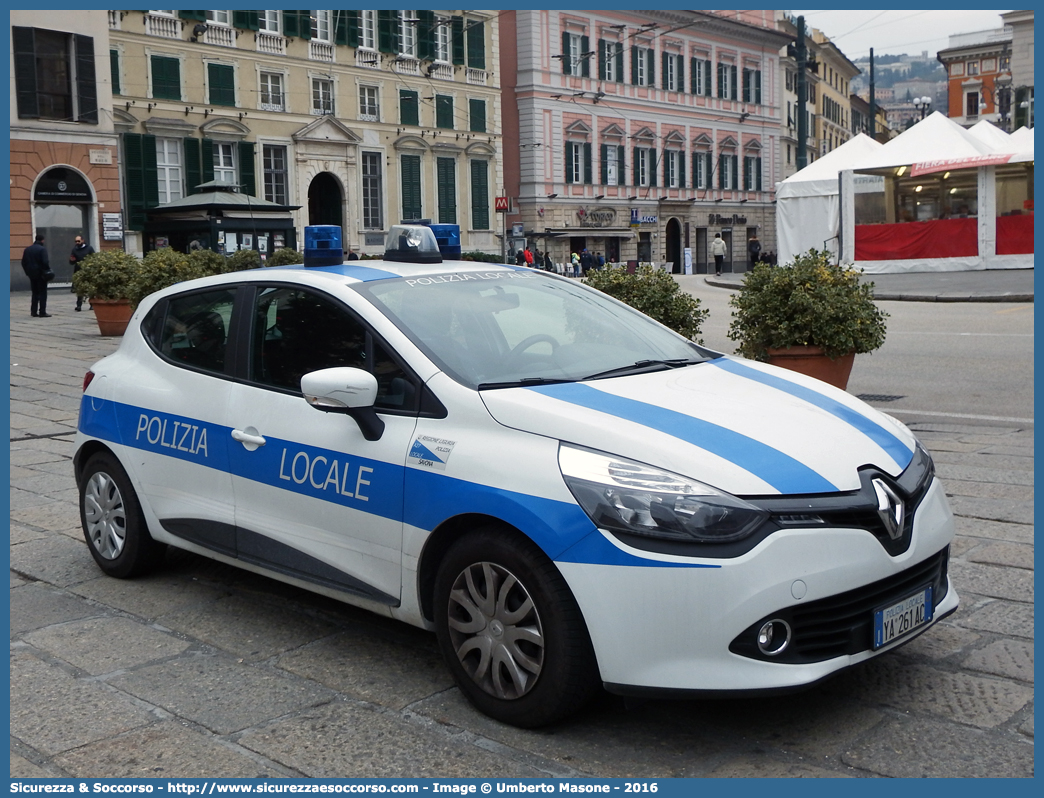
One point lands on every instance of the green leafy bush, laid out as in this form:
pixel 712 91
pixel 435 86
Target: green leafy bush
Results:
pixel 655 293
pixel 161 268
pixel 481 257
pixel 811 302
pixel 284 257
pixel 208 260
pixel 243 259
pixel 106 274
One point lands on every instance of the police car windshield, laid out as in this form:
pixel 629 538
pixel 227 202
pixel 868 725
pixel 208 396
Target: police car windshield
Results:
pixel 506 328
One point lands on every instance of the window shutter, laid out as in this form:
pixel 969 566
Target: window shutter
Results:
pixel 735 170
pixel 634 65
pixel 620 166
pixel 24 46
pixel 666 169
pixel 619 64
pixel 707 78
pixel 652 167
pixel 206 159
pixel 410 186
pixel 663 68
pixel 478 115
pixel 634 167
pixel 133 169
pixel 722 166
pixel 679 72
pixel 696 169
pixel 650 63
pixel 604 165
pixel 757 86
pixel 588 179
pixel 585 63
pixel 479 195
pixel 388 31
pixel 709 169
pixel 304 25
pixel 193 169
pixel 694 76
pixel 567 62
pixel 569 162
pixel 476 38
pixel 447 190
pixel 444 111
pixel 222 84
pixel 290 24
pixel 458 41
pixel 352 28
pixel 681 170
pixel 757 174
pixel 245 19
pixel 114 70
pixel 246 169
pixel 734 87
pixel 601 59
pixel 425 35
pixel 201 16
pixel 340 26
pixel 746 85
pixel 721 80
pixel 86 88
pixel 409 107
pixel 166 78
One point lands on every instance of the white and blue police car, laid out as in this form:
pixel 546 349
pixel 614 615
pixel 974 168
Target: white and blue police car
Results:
pixel 569 494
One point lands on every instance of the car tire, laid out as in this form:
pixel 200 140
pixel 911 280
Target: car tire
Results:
pixel 520 652
pixel 113 523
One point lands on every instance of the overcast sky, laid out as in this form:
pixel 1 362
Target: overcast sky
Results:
pixel 897 32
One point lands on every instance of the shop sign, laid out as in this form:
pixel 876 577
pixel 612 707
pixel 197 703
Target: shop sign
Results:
pixel 637 218
pixel 596 217
pixel 112 226
pixel 62 186
pixel 717 218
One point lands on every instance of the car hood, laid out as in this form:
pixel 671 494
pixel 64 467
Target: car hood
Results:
pixel 738 425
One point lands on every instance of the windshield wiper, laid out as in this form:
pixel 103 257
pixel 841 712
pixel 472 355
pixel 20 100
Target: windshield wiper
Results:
pixel 525 382
pixel 643 366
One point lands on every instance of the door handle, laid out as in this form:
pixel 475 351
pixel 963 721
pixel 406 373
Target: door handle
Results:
pixel 248 437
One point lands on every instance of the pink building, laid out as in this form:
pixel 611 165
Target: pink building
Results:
pixel 640 135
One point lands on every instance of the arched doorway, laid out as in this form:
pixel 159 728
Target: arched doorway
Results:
pixel 674 249
pixel 325 201
pixel 63 200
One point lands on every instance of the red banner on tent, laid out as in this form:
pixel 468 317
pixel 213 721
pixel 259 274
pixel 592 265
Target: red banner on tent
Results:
pixel 1015 234
pixel 942 238
pixel 927 167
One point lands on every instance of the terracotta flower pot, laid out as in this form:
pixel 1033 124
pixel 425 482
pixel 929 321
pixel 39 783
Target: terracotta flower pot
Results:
pixel 112 315
pixel 811 361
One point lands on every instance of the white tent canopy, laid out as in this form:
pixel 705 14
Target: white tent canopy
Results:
pixel 807 201
pixel 988 133
pixel 934 138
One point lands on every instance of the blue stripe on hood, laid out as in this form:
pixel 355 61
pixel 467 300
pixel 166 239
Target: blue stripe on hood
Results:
pixel 779 470
pixel 897 450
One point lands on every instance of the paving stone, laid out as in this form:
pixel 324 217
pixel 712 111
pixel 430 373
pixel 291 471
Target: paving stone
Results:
pixel 220 695
pixel 164 750
pixel 345 738
pixel 52 712
pixel 988 490
pixel 941 641
pixel 247 628
pixel 993 509
pixel 1009 658
pixel 994 530
pixel 104 645
pixel 1003 618
pixel 1016 555
pixel 373 668
pixel 991 462
pixel 1027 727
pixel 767 768
pixel 54 515
pixel 150 596
pixel 17 581
pixel 55 559
pixel 976 474
pixel 26 455
pixel 20 533
pixel 995 581
pixel 37 606
pixel 22 768
pixel 921 748
pixel 907 686
pixel 961 545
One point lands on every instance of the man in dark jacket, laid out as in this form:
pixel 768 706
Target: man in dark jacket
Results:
pixel 586 262
pixel 35 264
pixel 80 250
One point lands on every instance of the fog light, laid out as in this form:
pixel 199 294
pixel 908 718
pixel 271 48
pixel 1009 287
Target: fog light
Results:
pixel 773 637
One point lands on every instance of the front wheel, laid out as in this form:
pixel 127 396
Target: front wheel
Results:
pixel 511 631
pixel 113 523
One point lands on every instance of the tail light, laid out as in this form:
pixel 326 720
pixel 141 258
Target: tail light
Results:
pixel 87 380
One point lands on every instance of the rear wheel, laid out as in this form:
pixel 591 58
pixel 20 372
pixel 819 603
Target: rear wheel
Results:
pixel 511 631
pixel 112 520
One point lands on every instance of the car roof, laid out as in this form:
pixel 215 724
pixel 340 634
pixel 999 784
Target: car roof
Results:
pixel 370 270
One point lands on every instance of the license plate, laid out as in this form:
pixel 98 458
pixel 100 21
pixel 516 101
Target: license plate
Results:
pixel 901 618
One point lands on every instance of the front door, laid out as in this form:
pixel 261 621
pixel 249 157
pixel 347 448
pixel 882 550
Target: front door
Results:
pixel 325 201
pixel 314 498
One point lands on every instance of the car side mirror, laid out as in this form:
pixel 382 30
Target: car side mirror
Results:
pixel 345 390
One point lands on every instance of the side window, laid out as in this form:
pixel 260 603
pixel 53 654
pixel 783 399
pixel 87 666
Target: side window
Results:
pixel 194 329
pixel 298 331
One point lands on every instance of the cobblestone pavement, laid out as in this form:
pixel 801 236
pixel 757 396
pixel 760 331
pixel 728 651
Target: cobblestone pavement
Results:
pixel 205 670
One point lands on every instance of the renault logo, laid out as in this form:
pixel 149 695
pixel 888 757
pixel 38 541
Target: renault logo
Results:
pixel 889 508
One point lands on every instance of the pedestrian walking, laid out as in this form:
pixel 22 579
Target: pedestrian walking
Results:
pixel 575 262
pixel 586 262
pixel 719 250
pixel 549 265
pixel 599 260
pixel 520 258
pixel 37 265
pixel 80 250
pixel 754 250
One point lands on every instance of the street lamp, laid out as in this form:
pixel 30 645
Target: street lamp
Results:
pixel 922 104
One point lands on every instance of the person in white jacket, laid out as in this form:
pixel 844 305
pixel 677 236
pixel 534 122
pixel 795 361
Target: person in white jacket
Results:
pixel 719 250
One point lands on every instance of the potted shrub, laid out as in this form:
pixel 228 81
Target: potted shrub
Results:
pixel 284 256
pixel 163 267
pixel 106 278
pixel 811 316
pixel 655 293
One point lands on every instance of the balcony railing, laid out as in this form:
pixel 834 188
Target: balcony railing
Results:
pixel 476 77
pixel 167 27
pixel 114 20
pixel 220 35
pixel 367 58
pixel 407 65
pixel 320 51
pixel 271 43
pixel 441 71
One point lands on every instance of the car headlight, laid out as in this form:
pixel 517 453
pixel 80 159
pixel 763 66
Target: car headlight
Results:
pixel 622 495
